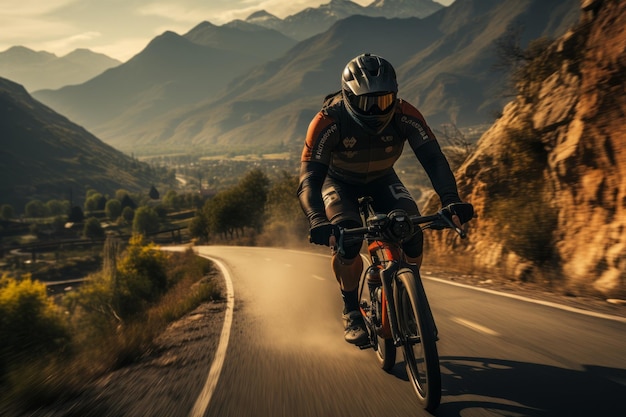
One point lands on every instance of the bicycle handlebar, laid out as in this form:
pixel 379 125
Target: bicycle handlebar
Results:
pixel 398 226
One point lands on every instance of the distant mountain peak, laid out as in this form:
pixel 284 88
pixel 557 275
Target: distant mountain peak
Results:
pixel 203 25
pixel 37 70
pixel 261 14
pixel 22 51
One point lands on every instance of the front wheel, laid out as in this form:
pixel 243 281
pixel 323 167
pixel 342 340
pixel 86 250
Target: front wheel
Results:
pixel 419 340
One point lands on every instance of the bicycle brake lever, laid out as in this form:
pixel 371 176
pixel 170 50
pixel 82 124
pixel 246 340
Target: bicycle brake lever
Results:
pixel 458 230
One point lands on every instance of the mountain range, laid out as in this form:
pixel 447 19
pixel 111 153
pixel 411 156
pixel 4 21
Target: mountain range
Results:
pixel 188 92
pixel 314 20
pixel 44 155
pixel 38 70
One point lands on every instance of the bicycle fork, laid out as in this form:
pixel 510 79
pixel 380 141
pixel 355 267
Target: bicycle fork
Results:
pixel 387 276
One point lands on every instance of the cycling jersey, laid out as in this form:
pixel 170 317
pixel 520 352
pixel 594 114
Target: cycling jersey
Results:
pixel 338 147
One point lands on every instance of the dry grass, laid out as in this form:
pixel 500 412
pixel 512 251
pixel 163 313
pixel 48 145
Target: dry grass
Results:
pixel 34 381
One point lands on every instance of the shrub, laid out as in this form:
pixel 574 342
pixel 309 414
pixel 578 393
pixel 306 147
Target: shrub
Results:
pixel 141 276
pixel 93 229
pixel 30 323
pixel 146 220
pixel 519 199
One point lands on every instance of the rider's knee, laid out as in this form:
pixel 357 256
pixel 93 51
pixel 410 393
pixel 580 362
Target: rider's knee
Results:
pixel 348 257
pixel 414 247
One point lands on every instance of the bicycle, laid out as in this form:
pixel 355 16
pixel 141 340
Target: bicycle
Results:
pixel 395 307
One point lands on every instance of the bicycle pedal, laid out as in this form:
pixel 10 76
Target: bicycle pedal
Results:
pixel 365 346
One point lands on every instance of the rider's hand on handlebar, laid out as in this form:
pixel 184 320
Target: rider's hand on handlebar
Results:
pixel 460 213
pixel 323 233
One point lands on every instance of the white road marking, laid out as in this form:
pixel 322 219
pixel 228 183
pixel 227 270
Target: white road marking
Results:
pixel 475 326
pixel 204 398
pixel 502 294
pixel 530 300
pixel 319 278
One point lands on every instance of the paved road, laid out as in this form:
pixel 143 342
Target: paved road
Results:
pixel 499 356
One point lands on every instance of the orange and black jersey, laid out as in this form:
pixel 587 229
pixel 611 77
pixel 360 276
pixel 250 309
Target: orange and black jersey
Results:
pixel 337 146
pixel 354 156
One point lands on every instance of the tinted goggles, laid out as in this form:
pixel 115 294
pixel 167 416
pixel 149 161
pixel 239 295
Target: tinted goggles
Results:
pixel 369 103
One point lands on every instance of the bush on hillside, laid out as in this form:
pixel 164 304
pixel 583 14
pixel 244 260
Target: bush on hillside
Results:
pixel 30 323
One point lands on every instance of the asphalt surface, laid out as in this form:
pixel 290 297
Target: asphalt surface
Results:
pixel 500 356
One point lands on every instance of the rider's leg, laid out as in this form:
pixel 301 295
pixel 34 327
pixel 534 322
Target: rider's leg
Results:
pixel 347 269
pixel 417 261
pixel 348 273
pixel 341 204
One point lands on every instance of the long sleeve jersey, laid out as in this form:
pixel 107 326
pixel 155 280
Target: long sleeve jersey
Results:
pixel 337 146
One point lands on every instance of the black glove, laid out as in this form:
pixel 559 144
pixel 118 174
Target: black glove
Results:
pixel 321 233
pixel 465 211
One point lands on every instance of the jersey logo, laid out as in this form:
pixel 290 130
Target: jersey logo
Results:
pixel 399 191
pixel 386 138
pixel 350 154
pixel 349 142
pixel 320 146
pixel 415 124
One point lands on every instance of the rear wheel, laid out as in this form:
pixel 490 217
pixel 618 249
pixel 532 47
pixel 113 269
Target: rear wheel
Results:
pixel 419 340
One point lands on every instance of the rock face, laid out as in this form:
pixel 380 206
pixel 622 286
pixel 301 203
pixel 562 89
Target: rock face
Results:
pixel 548 180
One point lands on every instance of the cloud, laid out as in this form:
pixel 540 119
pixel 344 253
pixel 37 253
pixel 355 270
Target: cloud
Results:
pixel 72 42
pixel 123 49
pixel 29 31
pixel 23 8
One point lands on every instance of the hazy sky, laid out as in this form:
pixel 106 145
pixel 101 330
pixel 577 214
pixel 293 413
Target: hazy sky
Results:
pixel 122 28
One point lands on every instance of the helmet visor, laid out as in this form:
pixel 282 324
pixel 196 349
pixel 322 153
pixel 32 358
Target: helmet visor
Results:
pixel 372 103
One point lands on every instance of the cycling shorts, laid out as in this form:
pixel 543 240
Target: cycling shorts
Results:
pixel 388 193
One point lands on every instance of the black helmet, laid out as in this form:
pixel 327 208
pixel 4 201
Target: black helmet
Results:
pixel 369 88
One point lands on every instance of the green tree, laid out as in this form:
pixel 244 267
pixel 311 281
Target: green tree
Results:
pixel 198 227
pixel 146 221
pixel 58 223
pixel 171 200
pixel 7 212
pixel 58 207
pixel 76 215
pixel 128 214
pixel 94 202
pixel 113 208
pixel 282 203
pixel 119 194
pixel 128 202
pixel 252 190
pixel 93 229
pixel 154 193
pixel 35 208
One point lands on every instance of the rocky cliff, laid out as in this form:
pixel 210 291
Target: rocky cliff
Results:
pixel 548 180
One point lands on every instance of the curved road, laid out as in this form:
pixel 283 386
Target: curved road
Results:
pixel 284 353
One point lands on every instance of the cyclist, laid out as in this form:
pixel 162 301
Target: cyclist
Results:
pixel 349 152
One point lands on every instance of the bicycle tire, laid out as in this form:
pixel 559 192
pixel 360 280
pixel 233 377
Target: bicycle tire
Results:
pixel 419 340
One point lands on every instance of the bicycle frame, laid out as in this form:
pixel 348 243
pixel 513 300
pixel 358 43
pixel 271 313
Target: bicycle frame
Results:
pixel 387 257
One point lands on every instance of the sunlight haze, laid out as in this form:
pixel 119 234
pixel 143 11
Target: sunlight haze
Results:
pixel 122 28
